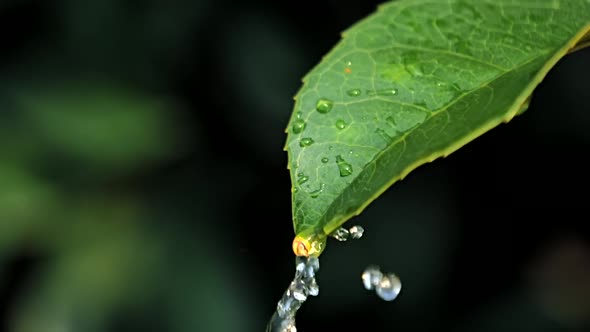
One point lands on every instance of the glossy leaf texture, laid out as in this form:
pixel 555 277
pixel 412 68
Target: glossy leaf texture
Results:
pixel 412 82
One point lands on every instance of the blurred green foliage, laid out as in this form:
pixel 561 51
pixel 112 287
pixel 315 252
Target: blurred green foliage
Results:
pixel 123 207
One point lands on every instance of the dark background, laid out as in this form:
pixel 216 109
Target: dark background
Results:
pixel 143 182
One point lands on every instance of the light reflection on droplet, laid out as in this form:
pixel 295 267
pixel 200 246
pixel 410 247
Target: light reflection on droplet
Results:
pixel 386 286
pixel 371 277
pixel 341 234
pixel 389 287
pixel 356 232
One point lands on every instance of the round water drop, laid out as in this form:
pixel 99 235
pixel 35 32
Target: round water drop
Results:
pixel 324 105
pixel 371 277
pixel 325 160
pixel 389 287
pixel 340 124
pixel 354 92
pixel 298 126
pixel 349 63
pixel 307 141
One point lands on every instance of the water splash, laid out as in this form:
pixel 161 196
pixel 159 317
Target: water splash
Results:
pixel 302 286
pixel 386 285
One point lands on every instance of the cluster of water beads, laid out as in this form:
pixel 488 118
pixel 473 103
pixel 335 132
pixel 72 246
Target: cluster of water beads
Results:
pixel 343 234
pixel 387 286
pixel 302 286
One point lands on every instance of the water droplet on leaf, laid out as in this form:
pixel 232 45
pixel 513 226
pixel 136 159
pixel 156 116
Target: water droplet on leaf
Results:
pixel 383 92
pixel 325 160
pixel 302 178
pixel 307 141
pixel 324 105
pixel 340 124
pixel 298 126
pixel 344 167
pixel 354 92
pixel 317 192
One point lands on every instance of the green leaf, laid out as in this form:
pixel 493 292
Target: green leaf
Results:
pixel 413 82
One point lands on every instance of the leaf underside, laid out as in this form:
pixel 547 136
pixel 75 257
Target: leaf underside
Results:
pixel 413 82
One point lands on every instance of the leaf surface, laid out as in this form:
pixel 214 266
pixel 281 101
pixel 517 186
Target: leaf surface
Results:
pixel 413 82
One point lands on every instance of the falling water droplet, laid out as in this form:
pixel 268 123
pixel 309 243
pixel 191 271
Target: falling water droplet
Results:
pixel 325 160
pixel 313 263
pixel 314 289
pixel 389 287
pixel 356 232
pixel 341 234
pixel 354 92
pixel 344 167
pixel 324 105
pixel 298 126
pixel 307 141
pixel 302 286
pixel 340 124
pixel 371 277
pixel 298 290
